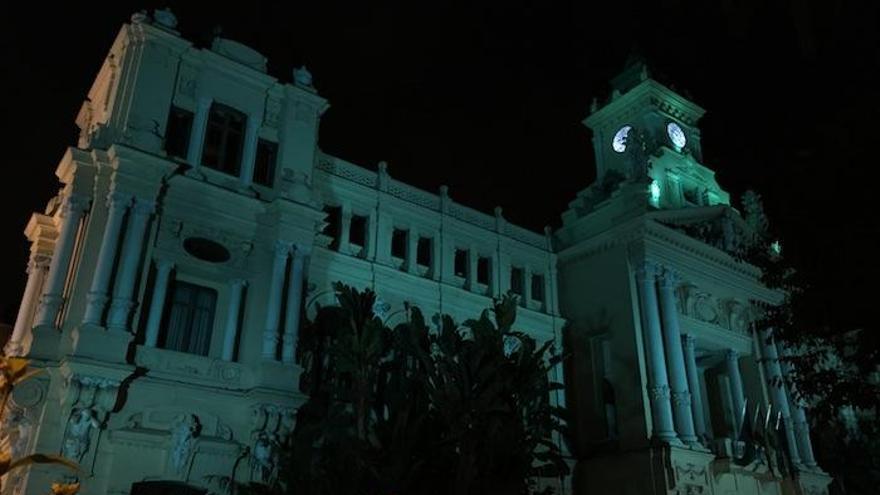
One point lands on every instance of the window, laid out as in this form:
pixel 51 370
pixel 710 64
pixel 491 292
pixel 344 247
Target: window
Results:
pixel 483 270
pixel 516 280
pixel 357 235
pixel 264 166
pixel 399 240
pixel 423 251
pixel 177 132
pixel 461 263
pixel 538 288
pixel 224 139
pixel 334 220
pixel 189 318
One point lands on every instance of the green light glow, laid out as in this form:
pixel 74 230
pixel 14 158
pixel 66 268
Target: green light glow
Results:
pixel 654 190
pixel 776 248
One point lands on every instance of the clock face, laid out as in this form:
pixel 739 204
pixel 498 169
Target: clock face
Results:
pixel 619 142
pixel 676 135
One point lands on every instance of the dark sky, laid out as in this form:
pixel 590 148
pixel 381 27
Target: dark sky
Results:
pixel 488 98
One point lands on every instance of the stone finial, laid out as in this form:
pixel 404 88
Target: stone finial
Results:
pixel 165 18
pixel 302 77
pixel 499 212
pixel 594 105
pixel 140 17
pixel 382 177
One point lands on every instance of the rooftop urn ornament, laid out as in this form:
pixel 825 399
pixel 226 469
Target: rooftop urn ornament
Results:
pixel 302 77
pixel 140 17
pixel 165 18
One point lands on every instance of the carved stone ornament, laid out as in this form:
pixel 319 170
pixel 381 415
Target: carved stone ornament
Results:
pixel 302 77
pixel 77 436
pixel 705 307
pixel 659 393
pixel 183 437
pixel 271 423
pixel 165 18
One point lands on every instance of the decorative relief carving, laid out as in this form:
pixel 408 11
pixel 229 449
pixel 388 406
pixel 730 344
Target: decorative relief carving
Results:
pixel 91 399
pixel 183 438
pixel 272 115
pixel 77 436
pixel 186 82
pixel 694 478
pixel 271 424
pixel 661 393
pixel 196 366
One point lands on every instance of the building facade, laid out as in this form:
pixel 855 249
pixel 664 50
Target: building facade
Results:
pixel 198 219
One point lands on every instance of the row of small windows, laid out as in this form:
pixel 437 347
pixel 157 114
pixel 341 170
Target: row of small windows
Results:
pixel 223 142
pixel 424 254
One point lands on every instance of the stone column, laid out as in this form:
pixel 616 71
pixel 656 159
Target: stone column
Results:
pixel 249 154
pixel 236 288
pixel 36 271
pixel 117 204
pixel 693 375
pixel 412 250
pixel 658 384
pixel 776 383
pixel 344 229
pixel 273 304
pixel 800 423
pixel 736 389
pixel 197 137
pixel 157 306
pixel 527 286
pixel 473 260
pixel 129 260
pixel 681 395
pixel 53 290
pixel 495 269
pixel 294 303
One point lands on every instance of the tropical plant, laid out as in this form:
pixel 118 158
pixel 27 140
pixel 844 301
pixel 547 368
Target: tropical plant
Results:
pixel 464 409
pixel 13 371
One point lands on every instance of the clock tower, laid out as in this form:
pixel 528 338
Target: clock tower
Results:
pixel 647 133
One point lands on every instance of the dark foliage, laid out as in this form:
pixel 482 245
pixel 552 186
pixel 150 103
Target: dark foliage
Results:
pixel 408 410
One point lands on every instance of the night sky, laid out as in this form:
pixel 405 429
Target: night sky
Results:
pixel 488 100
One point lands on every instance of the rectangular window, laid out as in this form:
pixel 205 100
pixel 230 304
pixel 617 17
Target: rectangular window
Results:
pixel 461 263
pixel 538 288
pixel 424 251
pixel 357 234
pixel 399 241
pixel 264 166
pixel 333 222
pixel 224 139
pixel 516 280
pixel 189 318
pixel 483 271
pixel 177 132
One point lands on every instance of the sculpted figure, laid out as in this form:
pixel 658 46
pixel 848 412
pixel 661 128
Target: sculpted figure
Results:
pixel 265 455
pixel 76 439
pixel 183 436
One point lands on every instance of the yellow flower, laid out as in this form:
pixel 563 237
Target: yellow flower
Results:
pixel 65 488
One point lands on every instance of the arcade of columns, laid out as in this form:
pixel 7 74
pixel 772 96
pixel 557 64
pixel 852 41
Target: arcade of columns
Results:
pixel 47 279
pixel 673 377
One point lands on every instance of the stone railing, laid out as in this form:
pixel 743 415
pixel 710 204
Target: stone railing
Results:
pixel 349 171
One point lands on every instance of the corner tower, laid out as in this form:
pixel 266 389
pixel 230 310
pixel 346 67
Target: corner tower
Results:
pixel 647 135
